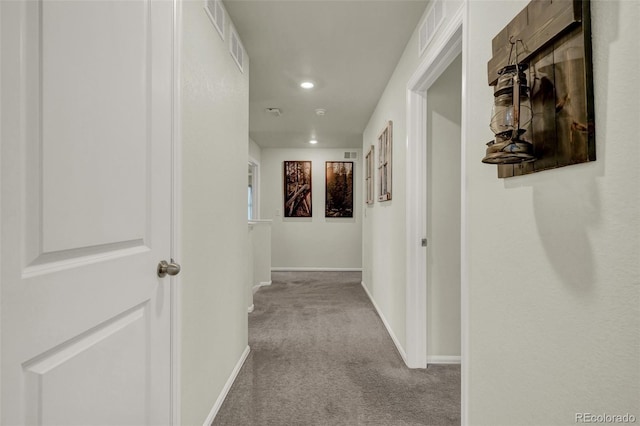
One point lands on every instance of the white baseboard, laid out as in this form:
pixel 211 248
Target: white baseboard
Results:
pixel 226 388
pixel 444 359
pixel 312 269
pixel 259 285
pixel 396 342
pixel 251 308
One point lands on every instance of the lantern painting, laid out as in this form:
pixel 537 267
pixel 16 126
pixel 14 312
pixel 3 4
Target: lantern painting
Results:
pixel 511 116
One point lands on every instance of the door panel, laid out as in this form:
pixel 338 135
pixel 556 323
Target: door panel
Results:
pixel 104 131
pixel 86 211
pixel 76 378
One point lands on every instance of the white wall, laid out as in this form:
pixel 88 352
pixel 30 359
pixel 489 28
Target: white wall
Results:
pixel 555 294
pixel 444 110
pixel 260 234
pixel 384 228
pixel 316 242
pixel 215 119
pixel 250 275
pixel 255 152
pixel 258 258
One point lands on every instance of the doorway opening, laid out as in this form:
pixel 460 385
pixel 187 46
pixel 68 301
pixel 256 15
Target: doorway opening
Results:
pixel 443 218
pixel 450 46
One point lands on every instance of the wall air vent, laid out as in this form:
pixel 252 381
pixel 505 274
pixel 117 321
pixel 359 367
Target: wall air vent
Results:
pixel 217 14
pixel 350 155
pixel 236 48
pixel 430 25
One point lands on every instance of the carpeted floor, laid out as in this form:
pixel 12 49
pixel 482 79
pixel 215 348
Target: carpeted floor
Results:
pixel 320 355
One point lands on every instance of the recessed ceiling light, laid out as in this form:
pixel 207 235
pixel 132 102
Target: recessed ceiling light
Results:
pixel 307 85
pixel 321 111
pixel 313 141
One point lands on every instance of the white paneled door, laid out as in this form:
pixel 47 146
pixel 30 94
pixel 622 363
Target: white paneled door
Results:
pixel 86 133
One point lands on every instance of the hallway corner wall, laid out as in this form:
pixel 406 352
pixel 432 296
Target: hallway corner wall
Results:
pixel 255 151
pixel 554 278
pixel 318 242
pixel 214 246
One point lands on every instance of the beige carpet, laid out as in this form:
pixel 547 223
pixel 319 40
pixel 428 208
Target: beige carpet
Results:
pixel 320 355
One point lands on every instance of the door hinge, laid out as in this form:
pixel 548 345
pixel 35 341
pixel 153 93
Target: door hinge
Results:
pixel 424 242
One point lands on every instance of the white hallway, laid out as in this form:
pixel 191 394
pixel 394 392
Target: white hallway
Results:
pixel 550 282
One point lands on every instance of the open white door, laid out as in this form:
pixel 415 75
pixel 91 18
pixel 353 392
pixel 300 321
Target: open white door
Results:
pixel 86 211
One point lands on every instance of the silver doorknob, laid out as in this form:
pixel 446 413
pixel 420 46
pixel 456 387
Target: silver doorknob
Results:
pixel 165 268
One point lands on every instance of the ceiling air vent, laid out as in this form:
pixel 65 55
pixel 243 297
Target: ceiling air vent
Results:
pixel 216 13
pixel 236 49
pixel 430 25
pixel 350 155
pixel 276 112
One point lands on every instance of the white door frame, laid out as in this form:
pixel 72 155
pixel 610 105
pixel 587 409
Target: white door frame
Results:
pixel 176 219
pixel 451 43
pixel 256 187
pixel 0 200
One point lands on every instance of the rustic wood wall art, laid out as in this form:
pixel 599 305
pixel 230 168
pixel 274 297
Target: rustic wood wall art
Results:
pixel 555 39
pixel 297 189
pixel 385 148
pixel 339 189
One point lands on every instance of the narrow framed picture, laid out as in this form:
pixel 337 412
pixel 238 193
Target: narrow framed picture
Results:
pixel 339 189
pixel 385 148
pixel 369 183
pixel 297 189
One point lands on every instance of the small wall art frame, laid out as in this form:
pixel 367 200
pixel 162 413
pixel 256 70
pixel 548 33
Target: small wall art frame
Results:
pixel 338 189
pixel 368 179
pixel 385 149
pixel 297 189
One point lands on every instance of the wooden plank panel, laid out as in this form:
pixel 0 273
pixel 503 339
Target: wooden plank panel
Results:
pixel 571 109
pixel 588 62
pixel 518 23
pixel 540 31
pixel 522 169
pixel 514 27
pixel 538 7
pixel 578 9
pixel 543 102
pixel 540 13
pixel 505 170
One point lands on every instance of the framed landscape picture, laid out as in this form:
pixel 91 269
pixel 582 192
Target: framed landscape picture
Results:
pixel 297 189
pixel 339 189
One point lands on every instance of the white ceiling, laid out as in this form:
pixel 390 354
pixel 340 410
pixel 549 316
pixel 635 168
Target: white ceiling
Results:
pixel 348 48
